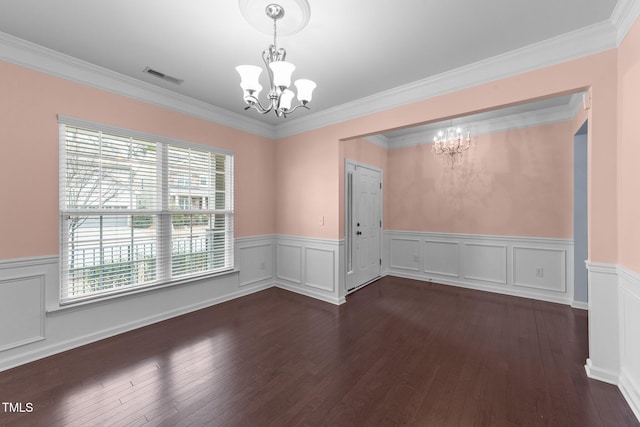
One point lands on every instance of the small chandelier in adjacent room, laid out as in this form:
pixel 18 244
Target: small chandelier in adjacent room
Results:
pixel 449 145
pixel 280 97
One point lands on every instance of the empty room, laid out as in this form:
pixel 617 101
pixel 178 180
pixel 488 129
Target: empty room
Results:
pixel 301 212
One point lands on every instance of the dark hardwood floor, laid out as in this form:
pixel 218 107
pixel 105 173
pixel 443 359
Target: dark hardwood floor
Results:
pixel 400 352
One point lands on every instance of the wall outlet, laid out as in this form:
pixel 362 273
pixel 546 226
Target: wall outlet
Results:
pixel 539 272
pixel 262 266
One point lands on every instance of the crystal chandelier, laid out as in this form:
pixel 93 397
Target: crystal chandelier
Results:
pixel 449 145
pixel 280 96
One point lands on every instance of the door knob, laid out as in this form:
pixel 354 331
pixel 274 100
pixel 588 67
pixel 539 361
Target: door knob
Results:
pixel 358 232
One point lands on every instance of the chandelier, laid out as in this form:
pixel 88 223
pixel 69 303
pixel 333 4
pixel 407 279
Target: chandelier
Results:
pixel 449 145
pixel 280 97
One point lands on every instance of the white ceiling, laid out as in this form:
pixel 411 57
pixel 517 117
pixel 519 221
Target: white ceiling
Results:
pixel 352 49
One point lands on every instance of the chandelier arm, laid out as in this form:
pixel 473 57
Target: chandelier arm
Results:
pixel 259 107
pixel 268 58
pixel 291 110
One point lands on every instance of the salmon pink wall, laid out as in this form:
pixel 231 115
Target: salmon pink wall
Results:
pixel 513 183
pixel 362 151
pixel 629 150
pixel 597 72
pixel 307 186
pixel 30 104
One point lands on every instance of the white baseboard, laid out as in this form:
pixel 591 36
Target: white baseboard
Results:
pixel 631 392
pixel 580 305
pixel 600 374
pixel 312 294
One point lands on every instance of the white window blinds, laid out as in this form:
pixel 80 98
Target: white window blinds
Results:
pixel 139 211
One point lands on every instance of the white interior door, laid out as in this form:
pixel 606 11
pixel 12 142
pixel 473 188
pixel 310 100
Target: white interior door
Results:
pixel 365 225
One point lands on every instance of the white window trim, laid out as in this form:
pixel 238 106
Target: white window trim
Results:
pixel 164 211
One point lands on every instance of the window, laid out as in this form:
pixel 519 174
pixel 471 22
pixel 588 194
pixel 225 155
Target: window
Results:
pixel 126 223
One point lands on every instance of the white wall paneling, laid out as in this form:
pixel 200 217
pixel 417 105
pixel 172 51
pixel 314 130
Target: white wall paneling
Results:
pixel 320 268
pixel 255 260
pixel 504 264
pixel 404 254
pixel 604 341
pixel 485 262
pixel 311 267
pixel 441 258
pixel 549 272
pixel 629 303
pixel 289 261
pixel 614 329
pixel 21 311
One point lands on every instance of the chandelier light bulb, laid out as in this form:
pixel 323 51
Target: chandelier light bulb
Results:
pixel 249 77
pixel 285 100
pixel 282 71
pixel 305 89
pixel 449 145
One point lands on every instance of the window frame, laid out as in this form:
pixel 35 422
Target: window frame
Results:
pixel 163 212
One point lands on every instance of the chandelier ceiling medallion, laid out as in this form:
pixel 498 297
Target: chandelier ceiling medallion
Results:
pixel 449 145
pixel 280 97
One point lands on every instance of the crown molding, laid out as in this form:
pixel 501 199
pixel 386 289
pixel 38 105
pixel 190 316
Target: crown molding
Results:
pixel 579 43
pixel 30 55
pixel 540 117
pixel 575 44
pixel 623 17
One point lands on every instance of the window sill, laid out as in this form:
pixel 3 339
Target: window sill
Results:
pixel 109 297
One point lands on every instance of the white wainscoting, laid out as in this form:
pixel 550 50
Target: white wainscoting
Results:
pixel 22 300
pixel 614 329
pixel 539 268
pixel 310 267
pixel 604 341
pixel 629 301
pixel 484 262
pixel 35 327
pixel 255 260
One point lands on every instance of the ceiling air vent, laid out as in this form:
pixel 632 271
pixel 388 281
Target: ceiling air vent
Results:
pixel 163 76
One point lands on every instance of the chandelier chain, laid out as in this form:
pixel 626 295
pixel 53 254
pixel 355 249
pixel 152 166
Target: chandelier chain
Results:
pixel 275 31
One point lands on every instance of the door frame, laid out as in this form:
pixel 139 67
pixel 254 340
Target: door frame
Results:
pixel 349 257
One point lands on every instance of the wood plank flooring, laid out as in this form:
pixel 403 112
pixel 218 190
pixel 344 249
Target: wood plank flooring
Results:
pixel 400 352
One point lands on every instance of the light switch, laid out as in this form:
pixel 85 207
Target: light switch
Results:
pixel 321 219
